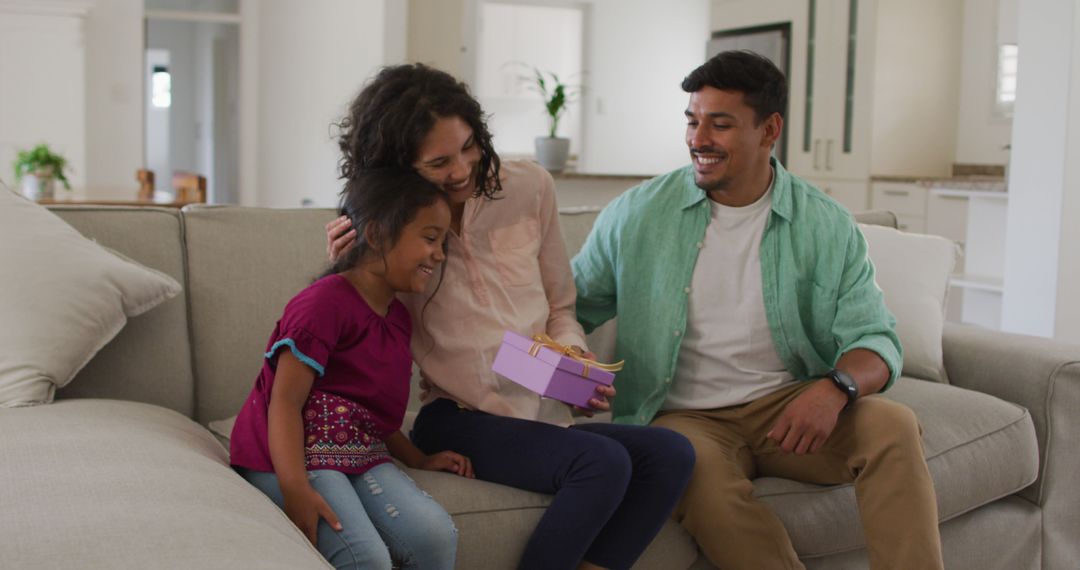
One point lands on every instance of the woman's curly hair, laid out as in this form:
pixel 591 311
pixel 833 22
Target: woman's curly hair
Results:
pixel 389 119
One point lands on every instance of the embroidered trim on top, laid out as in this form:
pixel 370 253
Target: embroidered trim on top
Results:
pixel 340 433
pixel 318 368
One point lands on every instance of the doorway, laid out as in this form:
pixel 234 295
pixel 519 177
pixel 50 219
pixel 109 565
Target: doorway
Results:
pixel 192 96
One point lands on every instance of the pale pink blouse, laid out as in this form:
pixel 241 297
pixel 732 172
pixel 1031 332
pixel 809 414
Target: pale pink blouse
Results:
pixel 507 270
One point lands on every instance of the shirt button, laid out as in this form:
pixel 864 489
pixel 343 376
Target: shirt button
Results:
pixel 700 244
pixel 667 380
pixel 686 290
pixel 642 418
pixel 678 332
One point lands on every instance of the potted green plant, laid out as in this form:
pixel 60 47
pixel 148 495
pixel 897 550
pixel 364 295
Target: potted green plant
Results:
pixel 552 150
pixel 38 169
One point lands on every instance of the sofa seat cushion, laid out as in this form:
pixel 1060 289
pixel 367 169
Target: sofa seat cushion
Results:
pixel 979 448
pixel 109 484
pixel 495 521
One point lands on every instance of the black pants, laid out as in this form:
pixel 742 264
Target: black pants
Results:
pixel 614 485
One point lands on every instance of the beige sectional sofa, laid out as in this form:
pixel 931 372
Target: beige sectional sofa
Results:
pixel 120 471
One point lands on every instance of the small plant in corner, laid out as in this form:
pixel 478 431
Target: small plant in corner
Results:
pixel 43 163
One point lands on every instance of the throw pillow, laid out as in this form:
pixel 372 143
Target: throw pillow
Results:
pixel 62 298
pixel 913 272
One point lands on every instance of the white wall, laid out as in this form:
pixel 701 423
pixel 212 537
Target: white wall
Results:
pixel 313 59
pixel 114 118
pixel 981 135
pixel 1042 268
pixel 435 35
pixel 915 87
pixel 42 84
pixel 637 54
pixel 179 40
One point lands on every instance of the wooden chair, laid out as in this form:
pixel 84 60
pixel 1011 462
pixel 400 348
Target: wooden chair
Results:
pixel 146 184
pixel 189 187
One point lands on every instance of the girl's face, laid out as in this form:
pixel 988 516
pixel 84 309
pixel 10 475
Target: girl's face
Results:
pixel 419 249
pixel 448 156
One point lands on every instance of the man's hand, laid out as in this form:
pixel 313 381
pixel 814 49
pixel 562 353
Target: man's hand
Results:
pixel 448 461
pixel 340 237
pixel 809 420
pixel 304 507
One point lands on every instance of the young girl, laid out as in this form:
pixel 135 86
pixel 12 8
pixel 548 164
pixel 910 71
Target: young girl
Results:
pixel 321 424
pixel 507 269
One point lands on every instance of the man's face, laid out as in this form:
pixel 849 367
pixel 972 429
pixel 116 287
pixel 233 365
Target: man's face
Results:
pixel 725 144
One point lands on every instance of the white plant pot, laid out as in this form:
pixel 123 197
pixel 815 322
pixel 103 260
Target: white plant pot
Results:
pixel 552 152
pixel 36 187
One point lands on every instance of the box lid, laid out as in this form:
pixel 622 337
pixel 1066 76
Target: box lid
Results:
pixel 558 360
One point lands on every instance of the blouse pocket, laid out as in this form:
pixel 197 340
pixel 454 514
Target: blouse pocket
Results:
pixel 516 249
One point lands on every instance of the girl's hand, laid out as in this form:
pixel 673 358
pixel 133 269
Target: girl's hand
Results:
pixel 340 237
pixel 304 507
pixel 599 403
pixel 450 462
pixel 603 393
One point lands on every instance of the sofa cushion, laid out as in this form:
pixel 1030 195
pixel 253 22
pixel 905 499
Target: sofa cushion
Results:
pixel 913 272
pixel 62 299
pixel 488 513
pixel 978 448
pixel 155 344
pixel 238 286
pixel 105 484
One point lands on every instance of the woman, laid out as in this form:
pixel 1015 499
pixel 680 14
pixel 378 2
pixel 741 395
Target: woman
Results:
pixel 507 269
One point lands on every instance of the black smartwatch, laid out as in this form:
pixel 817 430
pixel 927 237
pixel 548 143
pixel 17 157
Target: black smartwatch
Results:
pixel 845 384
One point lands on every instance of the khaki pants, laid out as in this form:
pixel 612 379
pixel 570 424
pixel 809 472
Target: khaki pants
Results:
pixel 877 444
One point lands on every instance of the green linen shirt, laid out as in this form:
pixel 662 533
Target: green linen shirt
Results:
pixel 818 285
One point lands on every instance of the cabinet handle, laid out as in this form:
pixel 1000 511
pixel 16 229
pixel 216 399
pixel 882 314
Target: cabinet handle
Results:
pixel 895 192
pixel 828 155
pixel 817 146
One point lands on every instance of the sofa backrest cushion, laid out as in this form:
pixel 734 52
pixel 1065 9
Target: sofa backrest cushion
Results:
pixel 150 359
pixel 244 264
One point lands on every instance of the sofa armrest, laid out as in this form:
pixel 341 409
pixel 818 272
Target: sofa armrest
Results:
pixel 1042 375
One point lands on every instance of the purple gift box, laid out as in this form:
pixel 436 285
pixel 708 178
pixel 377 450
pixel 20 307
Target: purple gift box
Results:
pixel 548 373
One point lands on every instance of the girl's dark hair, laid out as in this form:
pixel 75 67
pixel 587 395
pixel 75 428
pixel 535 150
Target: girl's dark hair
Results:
pixel 380 203
pixel 762 84
pixel 395 111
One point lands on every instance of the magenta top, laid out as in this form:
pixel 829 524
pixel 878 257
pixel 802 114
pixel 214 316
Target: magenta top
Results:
pixel 362 366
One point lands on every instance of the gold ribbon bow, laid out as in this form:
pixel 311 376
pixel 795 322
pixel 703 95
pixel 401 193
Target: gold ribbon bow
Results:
pixel 542 340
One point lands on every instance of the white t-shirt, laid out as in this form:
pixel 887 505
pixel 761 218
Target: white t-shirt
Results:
pixel 727 355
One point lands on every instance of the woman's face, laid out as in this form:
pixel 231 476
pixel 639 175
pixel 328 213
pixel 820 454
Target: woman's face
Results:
pixel 449 156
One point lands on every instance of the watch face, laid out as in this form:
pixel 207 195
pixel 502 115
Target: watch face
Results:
pixel 845 383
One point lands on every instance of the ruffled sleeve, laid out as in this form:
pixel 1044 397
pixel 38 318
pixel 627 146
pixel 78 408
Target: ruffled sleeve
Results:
pixel 309 327
pixel 306 347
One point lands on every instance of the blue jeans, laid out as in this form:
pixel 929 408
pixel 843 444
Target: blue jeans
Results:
pixel 614 485
pixel 383 514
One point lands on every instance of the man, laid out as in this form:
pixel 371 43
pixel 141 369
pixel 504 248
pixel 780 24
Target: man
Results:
pixel 750 323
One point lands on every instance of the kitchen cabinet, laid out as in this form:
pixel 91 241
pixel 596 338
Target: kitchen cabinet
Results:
pixel 829 137
pixel 906 200
pixel 946 216
pixel 850 193
pixel 873 84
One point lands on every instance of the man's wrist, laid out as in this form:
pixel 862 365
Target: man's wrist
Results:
pixel 845 384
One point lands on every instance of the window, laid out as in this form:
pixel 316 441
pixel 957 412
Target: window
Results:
pixel 161 84
pixel 513 38
pixel 1006 79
